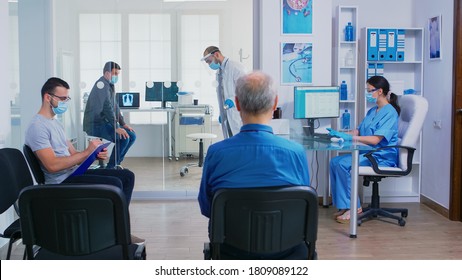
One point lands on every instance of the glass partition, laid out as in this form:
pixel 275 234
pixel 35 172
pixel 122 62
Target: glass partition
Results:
pixel 154 43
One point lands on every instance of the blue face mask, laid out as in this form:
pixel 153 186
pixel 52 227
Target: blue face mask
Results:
pixel 60 109
pixel 214 66
pixel 114 79
pixel 370 99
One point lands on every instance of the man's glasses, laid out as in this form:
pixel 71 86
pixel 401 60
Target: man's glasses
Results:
pixel 61 98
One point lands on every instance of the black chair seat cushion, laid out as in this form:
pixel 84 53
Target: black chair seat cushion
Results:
pixel 228 252
pixel 113 253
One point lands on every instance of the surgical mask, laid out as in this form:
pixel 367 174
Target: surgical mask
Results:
pixel 114 79
pixel 60 109
pixel 214 66
pixel 370 99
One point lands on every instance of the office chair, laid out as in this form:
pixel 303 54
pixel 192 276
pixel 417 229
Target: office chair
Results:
pixel 83 222
pixel 34 164
pixel 413 111
pixel 15 176
pixel 263 223
pixel 197 136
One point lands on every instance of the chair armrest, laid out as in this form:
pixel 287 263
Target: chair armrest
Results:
pixel 140 253
pixel 375 166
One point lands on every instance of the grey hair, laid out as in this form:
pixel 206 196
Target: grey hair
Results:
pixel 255 93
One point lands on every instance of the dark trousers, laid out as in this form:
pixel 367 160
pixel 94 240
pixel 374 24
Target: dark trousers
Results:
pixel 121 178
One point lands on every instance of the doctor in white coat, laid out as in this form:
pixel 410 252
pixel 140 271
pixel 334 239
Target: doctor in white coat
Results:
pixel 228 72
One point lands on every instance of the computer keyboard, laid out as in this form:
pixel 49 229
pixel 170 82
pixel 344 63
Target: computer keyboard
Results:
pixel 326 136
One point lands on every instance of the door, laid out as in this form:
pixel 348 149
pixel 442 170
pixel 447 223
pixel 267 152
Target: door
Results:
pixel 455 204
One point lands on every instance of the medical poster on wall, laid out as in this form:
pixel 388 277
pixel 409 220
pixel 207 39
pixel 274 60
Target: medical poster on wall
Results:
pixel 296 63
pixel 297 17
pixel 434 29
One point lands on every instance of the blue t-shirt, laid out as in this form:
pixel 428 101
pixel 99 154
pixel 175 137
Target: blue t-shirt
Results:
pixel 255 157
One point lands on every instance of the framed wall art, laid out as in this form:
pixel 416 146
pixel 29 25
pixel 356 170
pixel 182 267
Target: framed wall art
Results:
pixel 434 31
pixel 297 17
pixel 296 63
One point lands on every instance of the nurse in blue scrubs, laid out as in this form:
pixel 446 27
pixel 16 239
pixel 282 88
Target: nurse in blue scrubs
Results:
pixel 378 129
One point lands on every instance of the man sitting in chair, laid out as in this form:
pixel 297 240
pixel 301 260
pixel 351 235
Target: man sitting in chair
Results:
pixel 255 157
pixel 58 157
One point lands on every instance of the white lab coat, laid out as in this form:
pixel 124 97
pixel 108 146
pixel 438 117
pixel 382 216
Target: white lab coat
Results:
pixel 231 70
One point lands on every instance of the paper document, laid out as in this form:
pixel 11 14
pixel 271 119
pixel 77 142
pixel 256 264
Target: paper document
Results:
pixel 89 160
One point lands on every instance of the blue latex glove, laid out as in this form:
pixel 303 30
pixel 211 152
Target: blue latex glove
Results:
pixel 344 136
pixel 228 104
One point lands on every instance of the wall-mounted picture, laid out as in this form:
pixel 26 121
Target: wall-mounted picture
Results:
pixel 297 16
pixel 296 63
pixel 434 29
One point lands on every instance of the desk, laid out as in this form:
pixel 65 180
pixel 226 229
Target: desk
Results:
pixel 169 112
pixel 317 144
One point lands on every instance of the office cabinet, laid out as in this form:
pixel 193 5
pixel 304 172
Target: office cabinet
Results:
pixel 190 119
pixel 397 54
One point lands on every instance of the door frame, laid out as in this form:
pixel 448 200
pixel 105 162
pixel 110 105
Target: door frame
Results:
pixel 455 203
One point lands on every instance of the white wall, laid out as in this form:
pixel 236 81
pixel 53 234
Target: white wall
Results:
pixel 378 13
pixel 438 81
pixel 270 44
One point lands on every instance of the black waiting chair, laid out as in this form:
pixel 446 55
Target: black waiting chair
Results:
pixel 83 222
pixel 15 176
pixel 34 164
pixel 413 111
pixel 263 223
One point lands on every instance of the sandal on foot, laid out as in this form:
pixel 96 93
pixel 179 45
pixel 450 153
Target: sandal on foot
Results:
pixel 339 213
pixel 345 217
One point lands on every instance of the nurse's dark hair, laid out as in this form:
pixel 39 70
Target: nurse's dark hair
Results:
pixel 51 84
pixel 380 82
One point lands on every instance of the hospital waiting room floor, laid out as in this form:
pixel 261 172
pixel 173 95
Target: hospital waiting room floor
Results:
pixel 174 229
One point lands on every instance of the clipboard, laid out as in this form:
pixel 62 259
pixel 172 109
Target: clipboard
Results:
pixel 89 160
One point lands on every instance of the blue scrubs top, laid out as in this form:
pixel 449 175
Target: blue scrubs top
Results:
pixel 382 123
pixel 255 157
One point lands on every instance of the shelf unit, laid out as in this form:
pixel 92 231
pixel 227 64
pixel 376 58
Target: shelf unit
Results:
pixel 402 75
pixel 346 70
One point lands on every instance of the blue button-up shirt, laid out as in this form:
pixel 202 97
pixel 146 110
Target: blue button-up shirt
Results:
pixel 255 157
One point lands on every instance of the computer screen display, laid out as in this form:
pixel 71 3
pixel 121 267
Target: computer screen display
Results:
pixel 128 100
pixel 154 91
pixel 316 102
pixel 170 94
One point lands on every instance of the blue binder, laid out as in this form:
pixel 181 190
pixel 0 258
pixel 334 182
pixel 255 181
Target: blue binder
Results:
pixel 383 35
pixel 370 70
pixel 391 45
pixel 372 45
pixel 379 69
pixel 400 45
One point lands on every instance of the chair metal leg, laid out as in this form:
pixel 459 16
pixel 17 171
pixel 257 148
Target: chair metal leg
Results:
pixel 201 152
pixel 10 245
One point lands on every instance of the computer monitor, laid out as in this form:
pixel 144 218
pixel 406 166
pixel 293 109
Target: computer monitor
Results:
pixel 316 102
pixel 170 94
pixel 154 91
pixel 162 92
pixel 128 100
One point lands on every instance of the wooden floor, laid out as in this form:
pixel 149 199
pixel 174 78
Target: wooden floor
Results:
pixel 175 230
